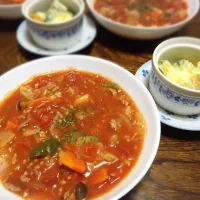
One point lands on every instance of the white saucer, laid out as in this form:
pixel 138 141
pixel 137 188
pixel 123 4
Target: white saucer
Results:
pixel 191 123
pixel 88 35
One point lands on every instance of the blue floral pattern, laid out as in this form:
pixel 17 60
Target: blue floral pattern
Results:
pixel 193 116
pixel 145 73
pixel 57 34
pixel 173 96
pixel 165 118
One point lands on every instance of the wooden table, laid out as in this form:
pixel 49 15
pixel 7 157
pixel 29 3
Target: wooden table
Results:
pixel 175 173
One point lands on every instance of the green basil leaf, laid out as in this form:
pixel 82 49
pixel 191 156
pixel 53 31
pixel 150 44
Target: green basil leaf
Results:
pixel 49 147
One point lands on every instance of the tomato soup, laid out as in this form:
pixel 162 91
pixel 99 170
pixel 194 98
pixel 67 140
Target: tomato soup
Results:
pixel 11 2
pixel 68 135
pixel 143 12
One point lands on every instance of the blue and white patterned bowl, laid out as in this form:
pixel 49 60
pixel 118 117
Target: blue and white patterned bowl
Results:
pixel 167 94
pixel 55 36
pixel 185 122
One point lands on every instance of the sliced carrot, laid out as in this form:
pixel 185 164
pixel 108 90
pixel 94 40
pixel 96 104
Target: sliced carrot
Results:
pixel 36 102
pixel 11 125
pixel 37 18
pixel 82 100
pixel 155 15
pixel 98 176
pixel 70 160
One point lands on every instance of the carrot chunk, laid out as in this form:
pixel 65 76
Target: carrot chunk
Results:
pixel 155 15
pixel 37 17
pixel 70 160
pixel 98 176
pixel 36 102
pixel 11 125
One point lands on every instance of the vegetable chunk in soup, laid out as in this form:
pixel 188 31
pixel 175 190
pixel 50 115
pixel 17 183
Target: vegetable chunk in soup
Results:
pixel 68 135
pixel 143 12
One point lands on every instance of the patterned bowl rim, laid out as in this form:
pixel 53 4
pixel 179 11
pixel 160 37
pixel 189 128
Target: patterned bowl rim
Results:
pixel 169 44
pixel 28 4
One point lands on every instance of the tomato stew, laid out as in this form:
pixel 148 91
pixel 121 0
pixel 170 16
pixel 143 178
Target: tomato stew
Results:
pixel 4 2
pixel 68 135
pixel 143 12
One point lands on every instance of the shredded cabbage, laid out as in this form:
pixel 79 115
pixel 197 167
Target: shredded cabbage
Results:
pixel 182 72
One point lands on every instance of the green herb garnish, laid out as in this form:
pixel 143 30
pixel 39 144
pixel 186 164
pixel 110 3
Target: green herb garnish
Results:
pixel 166 15
pixel 144 7
pixel 95 138
pixel 70 137
pixel 84 110
pixel 66 122
pixel 88 139
pixel 75 129
pixel 130 6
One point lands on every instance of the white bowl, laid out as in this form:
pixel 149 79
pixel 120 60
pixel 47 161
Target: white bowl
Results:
pixel 170 96
pixel 143 33
pixel 10 11
pixel 54 36
pixel 125 79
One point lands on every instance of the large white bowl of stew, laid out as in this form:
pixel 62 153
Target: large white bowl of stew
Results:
pixel 143 19
pixel 74 127
pixel 10 9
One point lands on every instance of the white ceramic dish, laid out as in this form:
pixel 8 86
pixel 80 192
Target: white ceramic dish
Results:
pixel 58 35
pixel 143 33
pixel 171 96
pixel 126 80
pixel 87 36
pixel 11 11
pixel 190 122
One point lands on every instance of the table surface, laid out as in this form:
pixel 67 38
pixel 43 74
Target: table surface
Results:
pixel 175 173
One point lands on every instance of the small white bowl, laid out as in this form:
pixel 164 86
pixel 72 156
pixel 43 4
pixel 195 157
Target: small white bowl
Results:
pixel 55 36
pixel 169 95
pixel 11 11
pixel 142 33
pixel 125 79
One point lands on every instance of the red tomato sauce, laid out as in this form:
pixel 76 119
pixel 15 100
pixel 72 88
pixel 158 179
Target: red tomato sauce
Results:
pixel 11 2
pixel 68 134
pixel 143 12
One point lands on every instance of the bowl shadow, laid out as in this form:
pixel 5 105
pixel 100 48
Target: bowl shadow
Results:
pixel 31 56
pixel 111 40
pixel 7 25
pixel 179 133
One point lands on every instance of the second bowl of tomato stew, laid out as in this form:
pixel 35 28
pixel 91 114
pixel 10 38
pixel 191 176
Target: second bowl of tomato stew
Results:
pixel 11 9
pixel 143 19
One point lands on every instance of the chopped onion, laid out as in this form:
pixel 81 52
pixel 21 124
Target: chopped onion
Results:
pixel 125 119
pixel 29 132
pixel 27 92
pixel 6 137
pixel 24 124
pixel 52 127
